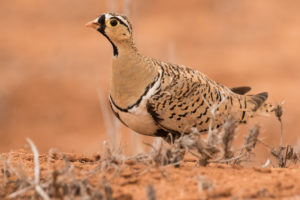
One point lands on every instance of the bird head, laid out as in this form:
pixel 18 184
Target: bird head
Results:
pixel 114 27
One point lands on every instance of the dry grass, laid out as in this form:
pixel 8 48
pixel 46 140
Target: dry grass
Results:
pixel 61 182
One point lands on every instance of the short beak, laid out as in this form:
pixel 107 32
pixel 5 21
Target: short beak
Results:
pixel 93 24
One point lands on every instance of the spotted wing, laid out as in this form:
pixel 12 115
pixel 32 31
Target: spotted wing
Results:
pixel 185 103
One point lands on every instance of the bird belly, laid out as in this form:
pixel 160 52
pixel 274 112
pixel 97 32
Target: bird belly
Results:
pixel 137 119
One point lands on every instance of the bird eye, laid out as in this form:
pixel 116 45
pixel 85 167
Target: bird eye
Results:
pixel 113 22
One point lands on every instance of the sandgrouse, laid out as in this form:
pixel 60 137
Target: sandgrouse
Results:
pixel 157 98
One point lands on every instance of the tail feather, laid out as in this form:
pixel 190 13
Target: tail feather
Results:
pixel 258 100
pixel 261 107
pixel 254 105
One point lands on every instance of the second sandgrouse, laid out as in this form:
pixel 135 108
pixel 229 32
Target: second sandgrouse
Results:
pixel 157 98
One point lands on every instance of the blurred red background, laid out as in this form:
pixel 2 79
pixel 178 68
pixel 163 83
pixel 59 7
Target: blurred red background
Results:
pixel 53 69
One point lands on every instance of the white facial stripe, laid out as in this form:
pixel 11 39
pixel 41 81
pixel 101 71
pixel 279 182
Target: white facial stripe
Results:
pixel 108 16
pixel 123 20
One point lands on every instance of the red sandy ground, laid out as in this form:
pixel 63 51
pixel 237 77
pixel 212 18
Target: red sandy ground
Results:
pixel 131 179
pixel 52 67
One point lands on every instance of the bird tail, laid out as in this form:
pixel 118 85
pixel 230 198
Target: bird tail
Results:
pixel 259 105
pixel 248 106
pixel 258 100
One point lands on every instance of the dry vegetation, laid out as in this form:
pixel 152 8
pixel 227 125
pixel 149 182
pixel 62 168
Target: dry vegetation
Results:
pixel 70 176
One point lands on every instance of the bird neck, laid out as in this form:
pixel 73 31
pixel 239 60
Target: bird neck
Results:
pixel 131 74
pixel 123 48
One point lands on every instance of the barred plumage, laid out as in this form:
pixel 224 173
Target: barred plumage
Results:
pixel 157 98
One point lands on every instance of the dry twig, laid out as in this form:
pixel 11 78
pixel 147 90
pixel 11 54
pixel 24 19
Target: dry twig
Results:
pixel 36 183
pixel 150 192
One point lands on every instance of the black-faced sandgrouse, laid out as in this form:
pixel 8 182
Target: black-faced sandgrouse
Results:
pixel 157 98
